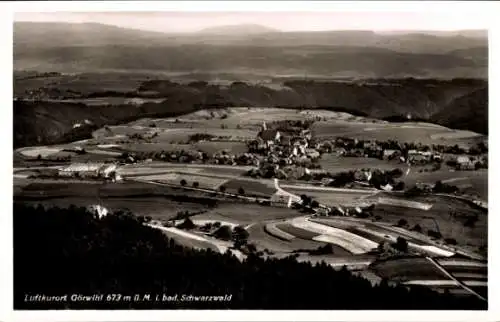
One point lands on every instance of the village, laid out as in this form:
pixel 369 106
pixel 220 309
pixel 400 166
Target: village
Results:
pixel 288 150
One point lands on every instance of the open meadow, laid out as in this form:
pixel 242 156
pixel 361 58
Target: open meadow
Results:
pixel 333 163
pixel 454 219
pixel 417 132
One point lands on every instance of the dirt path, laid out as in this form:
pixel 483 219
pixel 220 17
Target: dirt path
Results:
pixel 459 283
pixel 220 245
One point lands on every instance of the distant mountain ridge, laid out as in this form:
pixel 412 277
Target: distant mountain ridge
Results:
pixel 69 47
pixel 242 29
pixel 51 34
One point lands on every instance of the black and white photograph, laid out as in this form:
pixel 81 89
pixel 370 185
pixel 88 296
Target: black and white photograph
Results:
pixel 249 160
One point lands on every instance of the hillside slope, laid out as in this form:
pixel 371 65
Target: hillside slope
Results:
pixel 457 104
pixel 469 111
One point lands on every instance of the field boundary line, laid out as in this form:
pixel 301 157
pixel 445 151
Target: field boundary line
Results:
pixel 465 287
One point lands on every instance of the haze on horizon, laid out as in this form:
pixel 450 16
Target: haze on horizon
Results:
pixel 180 22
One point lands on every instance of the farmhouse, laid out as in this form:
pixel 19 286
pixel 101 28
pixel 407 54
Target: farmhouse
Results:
pixel 465 163
pixel 89 170
pixel 278 200
pixel 390 154
pixel 312 153
pixel 270 137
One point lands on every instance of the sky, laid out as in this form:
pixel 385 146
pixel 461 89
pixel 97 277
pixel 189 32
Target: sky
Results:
pixel 284 21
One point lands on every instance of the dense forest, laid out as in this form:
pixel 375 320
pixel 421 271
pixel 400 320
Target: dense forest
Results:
pixel 73 251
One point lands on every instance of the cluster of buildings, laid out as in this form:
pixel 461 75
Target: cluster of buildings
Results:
pixel 422 157
pixel 91 171
pixel 466 162
pixel 284 154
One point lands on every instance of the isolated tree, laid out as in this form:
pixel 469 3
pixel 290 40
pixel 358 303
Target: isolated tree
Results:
pixel 381 247
pixel 402 222
pixel 222 189
pixel 239 236
pixel 417 228
pixel 450 241
pixel 196 184
pixel 183 182
pixel 187 224
pixel 241 191
pixel 434 234
pixel 401 244
pixel 306 200
pixel 39 157
pixel 251 248
pixel 399 186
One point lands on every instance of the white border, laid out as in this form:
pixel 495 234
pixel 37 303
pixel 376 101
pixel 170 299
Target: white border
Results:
pixel 484 12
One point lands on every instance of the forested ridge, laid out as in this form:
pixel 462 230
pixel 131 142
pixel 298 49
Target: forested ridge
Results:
pixel 459 103
pixel 72 251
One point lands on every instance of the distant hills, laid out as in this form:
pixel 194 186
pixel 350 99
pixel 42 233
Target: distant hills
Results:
pixel 382 74
pixel 250 48
pixel 243 29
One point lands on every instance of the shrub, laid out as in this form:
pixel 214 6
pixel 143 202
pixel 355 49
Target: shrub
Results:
pixel 434 234
pixel 401 244
pixel 224 233
pixel 239 236
pixel 417 228
pixel 402 222
pixel 187 224
pixel 450 241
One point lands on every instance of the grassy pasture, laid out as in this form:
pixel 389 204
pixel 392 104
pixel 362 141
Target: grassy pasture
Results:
pixel 100 190
pixel 477 180
pixel 212 147
pixel 207 147
pixel 121 131
pixel 263 240
pixel 44 151
pixel 204 182
pixel 407 269
pixel 297 232
pixel 247 213
pixel 224 171
pixel 440 211
pixel 333 198
pixel 251 187
pixel 333 163
pixel 404 132
pixel 100 101
pixel 85 83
